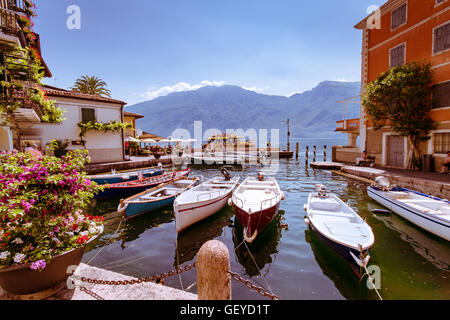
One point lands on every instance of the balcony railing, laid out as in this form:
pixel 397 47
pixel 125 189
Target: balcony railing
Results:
pixel 8 22
pixel 347 125
pixel 13 5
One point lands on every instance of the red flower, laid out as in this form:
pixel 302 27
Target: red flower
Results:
pixel 82 239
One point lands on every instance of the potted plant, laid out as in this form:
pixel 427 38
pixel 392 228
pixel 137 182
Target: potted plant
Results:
pixel 43 227
pixel 156 151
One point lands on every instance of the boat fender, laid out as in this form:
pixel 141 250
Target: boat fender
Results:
pixel 305 207
pixel 230 202
pixel 307 221
pixel 283 197
pixel 125 177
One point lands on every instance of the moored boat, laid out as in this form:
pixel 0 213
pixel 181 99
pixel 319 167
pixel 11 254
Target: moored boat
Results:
pixel 134 187
pixel 339 227
pixel 256 203
pixel 114 177
pixel 429 213
pixel 202 201
pixel 155 198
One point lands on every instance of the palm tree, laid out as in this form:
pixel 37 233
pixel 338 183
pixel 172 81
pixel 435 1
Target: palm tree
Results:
pixel 91 85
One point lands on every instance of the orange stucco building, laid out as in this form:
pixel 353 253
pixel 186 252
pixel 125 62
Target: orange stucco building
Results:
pixel 400 32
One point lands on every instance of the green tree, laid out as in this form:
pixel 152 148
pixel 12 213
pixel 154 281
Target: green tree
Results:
pixel 402 98
pixel 91 85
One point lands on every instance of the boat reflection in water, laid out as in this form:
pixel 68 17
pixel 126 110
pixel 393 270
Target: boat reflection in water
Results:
pixel 429 246
pixel 192 239
pixel 262 249
pixel 336 269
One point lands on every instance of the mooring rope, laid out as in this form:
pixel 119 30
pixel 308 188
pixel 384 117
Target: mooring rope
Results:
pixel 371 281
pixel 259 270
pixel 114 235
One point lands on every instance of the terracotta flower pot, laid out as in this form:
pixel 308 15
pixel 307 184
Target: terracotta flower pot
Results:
pixel 21 280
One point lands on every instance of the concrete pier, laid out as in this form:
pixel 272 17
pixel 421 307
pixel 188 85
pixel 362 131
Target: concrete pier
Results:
pixel 143 291
pixel 431 184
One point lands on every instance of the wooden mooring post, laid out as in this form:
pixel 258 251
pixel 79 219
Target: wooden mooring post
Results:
pixel 325 153
pixel 296 150
pixel 314 153
pixel 213 272
pixel 307 154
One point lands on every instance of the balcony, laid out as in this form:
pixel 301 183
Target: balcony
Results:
pixel 350 125
pixel 8 22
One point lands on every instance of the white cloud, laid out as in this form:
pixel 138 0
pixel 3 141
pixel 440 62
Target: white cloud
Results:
pixel 154 93
pixel 255 89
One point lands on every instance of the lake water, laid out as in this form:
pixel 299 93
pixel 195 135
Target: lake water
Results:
pixel 292 263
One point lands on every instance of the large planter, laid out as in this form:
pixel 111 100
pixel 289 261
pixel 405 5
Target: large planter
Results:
pixel 21 280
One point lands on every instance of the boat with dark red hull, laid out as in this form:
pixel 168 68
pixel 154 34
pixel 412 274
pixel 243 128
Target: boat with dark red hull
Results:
pixel 256 203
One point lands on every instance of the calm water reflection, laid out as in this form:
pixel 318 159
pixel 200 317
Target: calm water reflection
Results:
pixel 292 261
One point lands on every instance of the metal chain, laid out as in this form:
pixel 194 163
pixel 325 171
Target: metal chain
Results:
pixel 160 279
pixel 91 293
pixel 155 278
pixel 251 286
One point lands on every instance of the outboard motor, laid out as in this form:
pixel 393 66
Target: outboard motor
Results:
pixel 322 191
pixel 260 176
pixel 226 174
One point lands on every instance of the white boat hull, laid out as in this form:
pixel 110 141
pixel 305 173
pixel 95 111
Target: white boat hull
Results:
pixel 430 223
pixel 186 215
pixel 202 201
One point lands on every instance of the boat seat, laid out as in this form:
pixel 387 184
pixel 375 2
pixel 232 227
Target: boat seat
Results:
pixel 249 187
pixel 331 213
pixel 216 185
pixel 324 204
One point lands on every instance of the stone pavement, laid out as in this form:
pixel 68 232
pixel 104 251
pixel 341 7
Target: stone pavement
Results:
pixel 144 291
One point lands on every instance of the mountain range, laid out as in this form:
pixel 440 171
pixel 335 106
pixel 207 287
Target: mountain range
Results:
pixel 312 114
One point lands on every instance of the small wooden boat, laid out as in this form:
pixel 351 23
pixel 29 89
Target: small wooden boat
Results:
pixel 155 198
pixel 125 176
pixel 256 202
pixel 429 213
pixel 202 201
pixel 133 187
pixel 339 227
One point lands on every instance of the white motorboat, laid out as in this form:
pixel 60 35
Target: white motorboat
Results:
pixel 429 213
pixel 339 227
pixel 202 201
pixel 256 203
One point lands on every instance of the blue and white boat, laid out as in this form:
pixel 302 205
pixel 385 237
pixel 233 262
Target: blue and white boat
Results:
pixel 156 198
pixel 125 176
pixel 339 227
pixel 427 212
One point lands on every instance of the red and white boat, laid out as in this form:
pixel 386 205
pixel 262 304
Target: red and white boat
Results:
pixel 256 203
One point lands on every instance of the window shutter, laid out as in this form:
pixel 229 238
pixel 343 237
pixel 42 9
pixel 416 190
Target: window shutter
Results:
pixel 87 115
pixel 441 38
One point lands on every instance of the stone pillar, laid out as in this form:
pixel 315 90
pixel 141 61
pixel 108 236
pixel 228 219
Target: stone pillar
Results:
pixel 213 277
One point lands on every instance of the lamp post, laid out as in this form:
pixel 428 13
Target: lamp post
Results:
pixel 288 135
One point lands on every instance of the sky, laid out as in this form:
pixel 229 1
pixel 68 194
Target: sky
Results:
pixel 148 48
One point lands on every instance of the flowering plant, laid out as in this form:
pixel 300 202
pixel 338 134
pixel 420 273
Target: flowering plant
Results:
pixel 42 203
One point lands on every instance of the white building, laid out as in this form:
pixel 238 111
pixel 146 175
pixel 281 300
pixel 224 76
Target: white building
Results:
pixel 102 147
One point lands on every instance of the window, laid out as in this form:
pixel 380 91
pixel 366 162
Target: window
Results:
pixel 397 56
pixel 87 114
pixel 441 38
pixel 441 95
pixel 398 16
pixel 441 142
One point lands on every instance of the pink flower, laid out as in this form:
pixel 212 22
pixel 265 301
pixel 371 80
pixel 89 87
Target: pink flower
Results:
pixel 26 205
pixel 38 265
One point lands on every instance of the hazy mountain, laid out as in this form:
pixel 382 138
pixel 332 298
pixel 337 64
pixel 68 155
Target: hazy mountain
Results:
pixel 312 114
